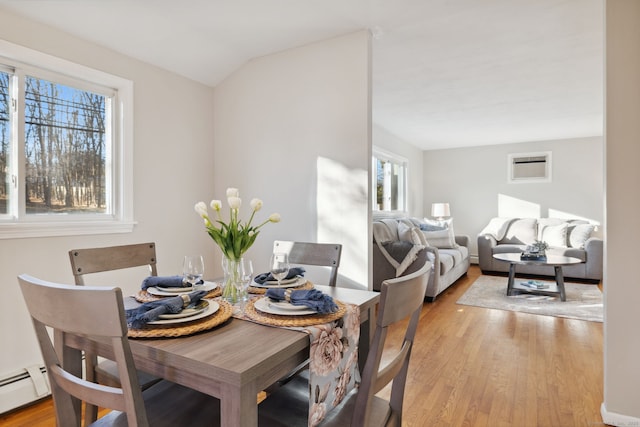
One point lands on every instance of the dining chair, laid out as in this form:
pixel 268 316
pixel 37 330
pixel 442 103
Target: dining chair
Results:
pixel 100 260
pixel 400 298
pixel 98 313
pixel 316 254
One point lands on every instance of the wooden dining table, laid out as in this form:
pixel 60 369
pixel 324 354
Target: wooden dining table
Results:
pixel 236 360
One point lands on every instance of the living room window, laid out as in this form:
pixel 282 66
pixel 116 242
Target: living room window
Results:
pixel 389 187
pixel 65 147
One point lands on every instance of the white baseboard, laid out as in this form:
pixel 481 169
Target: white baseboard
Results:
pixel 618 420
pixel 22 388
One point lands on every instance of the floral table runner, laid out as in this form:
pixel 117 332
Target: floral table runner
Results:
pixel 333 360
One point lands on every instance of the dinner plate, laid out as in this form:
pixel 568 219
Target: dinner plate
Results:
pixel 284 305
pixel 267 306
pixel 187 312
pixel 290 283
pixel 211 308
pixel 163 292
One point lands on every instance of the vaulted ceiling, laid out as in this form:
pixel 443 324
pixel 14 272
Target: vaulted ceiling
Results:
pixel 446 73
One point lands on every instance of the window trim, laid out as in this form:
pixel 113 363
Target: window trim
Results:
pixel 121 219
pixel 379 153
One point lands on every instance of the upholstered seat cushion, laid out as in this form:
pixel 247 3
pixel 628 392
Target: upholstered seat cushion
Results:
pixel 449 258
pixel 507 249
pixel 581 254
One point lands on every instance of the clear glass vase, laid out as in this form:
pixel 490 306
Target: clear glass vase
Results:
pixel 231 278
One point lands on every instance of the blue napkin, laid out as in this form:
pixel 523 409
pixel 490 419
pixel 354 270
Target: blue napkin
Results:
pixel 268 277
pixel 166 282
pixel 150 311
pixel 312 298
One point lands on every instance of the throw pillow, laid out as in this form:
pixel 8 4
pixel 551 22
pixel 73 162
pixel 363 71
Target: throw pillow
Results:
pixel 497 228
pixel 436 224
pixel 410 234
pixel 431 227
pixel 521 232
pixel 404 232
pixel 398 249
pixel 442 239
pixel 555 235
pixel 545 222
pixel 578 234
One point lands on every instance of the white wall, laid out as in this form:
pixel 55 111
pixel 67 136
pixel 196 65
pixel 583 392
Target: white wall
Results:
pixel 474 182
pixel 293 129
pixel 173 135
pixel 621 405
pixel 389 142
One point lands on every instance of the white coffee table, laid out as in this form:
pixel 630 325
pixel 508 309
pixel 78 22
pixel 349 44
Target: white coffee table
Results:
pixel 557 261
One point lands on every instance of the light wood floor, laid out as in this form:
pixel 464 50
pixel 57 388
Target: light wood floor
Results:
pixel 478 367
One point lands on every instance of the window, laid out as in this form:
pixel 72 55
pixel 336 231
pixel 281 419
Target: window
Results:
pixel 65 147
pixel 389 181
pixel 530 167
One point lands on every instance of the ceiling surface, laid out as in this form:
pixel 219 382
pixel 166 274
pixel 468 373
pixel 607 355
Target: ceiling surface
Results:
pixel 446 73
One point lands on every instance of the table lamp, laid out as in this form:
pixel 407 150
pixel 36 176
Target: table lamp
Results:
pixel 440 210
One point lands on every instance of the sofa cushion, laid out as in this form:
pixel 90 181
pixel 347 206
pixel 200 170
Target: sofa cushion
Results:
pixel 521 232
pixel 507 249
pixel 459 254
pixel 555 235
pixel 446 263
pixel 581 254
pixel 578 234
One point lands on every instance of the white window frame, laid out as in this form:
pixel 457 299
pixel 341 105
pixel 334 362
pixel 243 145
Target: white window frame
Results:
pixel 379 153
pixel 120 219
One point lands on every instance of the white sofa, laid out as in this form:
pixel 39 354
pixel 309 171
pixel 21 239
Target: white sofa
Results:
pixel 402 247
pixel 565 237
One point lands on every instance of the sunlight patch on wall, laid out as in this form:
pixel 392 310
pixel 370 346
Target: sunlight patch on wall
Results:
pixel 342 203
pixel 511 207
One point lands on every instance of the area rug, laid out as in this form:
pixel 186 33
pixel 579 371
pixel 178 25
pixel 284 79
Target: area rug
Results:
pixel 584 301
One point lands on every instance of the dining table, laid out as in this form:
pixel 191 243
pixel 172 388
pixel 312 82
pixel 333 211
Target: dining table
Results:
pixel 233 361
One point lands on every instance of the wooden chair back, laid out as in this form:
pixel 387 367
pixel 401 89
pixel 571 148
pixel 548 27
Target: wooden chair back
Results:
pixel 317 254
pixel 94 312
pixel 97 260
pixel 400 298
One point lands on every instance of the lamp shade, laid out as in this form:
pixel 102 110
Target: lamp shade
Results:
pixel 440 210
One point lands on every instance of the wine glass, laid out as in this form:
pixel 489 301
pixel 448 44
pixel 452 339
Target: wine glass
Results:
pixel 279 266
pixel 245 275
pixel 193 270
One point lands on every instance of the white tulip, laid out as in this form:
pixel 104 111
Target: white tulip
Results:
pixel 201 209
pixel 232 192
pixel 256 204
pixel 234 202
pixel 216 205
pixel 274 217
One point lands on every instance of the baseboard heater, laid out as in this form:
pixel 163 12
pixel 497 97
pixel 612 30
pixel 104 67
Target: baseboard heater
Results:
pixel 23 387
